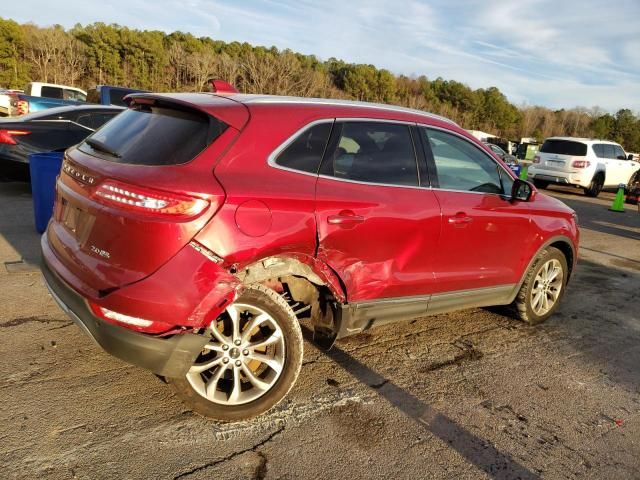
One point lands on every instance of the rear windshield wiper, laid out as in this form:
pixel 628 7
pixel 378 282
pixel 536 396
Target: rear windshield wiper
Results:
pixel 98 145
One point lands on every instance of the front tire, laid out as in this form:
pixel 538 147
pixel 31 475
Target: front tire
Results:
pixel 540 184
pixel 543 287
pixel 250 364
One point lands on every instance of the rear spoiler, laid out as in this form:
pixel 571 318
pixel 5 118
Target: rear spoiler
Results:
pixel 234 114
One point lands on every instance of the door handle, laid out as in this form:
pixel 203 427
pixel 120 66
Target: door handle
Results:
pixel 460 219
pixel 345 218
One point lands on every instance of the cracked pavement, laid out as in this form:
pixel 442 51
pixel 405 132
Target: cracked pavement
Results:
pixel 472 394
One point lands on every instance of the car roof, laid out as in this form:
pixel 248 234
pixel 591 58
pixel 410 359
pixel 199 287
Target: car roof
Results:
pixel 253 99
pixel 583 140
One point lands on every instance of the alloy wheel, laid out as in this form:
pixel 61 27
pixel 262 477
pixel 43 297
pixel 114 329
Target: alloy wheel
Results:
pixel 547 286
pixel 244 358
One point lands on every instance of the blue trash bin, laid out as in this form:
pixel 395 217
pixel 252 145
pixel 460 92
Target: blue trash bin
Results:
pixel 44 168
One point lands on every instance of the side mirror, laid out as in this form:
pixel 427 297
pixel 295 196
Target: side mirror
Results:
pixel 630 156
pixel 521 191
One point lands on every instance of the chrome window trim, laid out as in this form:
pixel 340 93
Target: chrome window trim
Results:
pixel 271 159
pixel 273 156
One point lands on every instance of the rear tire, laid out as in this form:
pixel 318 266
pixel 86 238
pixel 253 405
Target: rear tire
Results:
pixel 595 187
pixel 543 287
pixel 540 184
pixel 232 381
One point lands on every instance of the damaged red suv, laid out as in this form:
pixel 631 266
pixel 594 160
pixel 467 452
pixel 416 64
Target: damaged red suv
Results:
pixel 193 232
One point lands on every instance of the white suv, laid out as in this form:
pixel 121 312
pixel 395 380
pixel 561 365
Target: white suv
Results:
pixel 590 164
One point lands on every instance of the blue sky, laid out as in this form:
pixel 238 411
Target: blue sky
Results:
pixel 558 53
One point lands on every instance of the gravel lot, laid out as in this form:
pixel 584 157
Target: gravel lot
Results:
pixel 468 395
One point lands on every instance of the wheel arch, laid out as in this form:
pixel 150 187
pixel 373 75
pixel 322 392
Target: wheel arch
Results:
pixel 562 243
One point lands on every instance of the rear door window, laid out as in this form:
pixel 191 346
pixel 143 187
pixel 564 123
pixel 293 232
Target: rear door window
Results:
pixel 598 149
pixel 461 166
pixel 564 147
pixel 156 134
pixel 305 152
pixel 609 151
pixel 373 152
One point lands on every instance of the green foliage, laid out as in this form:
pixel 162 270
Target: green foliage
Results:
pixel 152 60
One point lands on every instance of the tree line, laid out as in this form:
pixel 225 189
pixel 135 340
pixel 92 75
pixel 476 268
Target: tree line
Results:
pixel 152 60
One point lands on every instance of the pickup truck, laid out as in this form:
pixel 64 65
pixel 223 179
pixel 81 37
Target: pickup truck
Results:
pixel 110 95
pixel 40 96
pixel 22 103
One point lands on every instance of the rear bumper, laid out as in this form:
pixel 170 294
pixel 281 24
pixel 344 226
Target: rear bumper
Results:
pixel 562 178
pixel 169 357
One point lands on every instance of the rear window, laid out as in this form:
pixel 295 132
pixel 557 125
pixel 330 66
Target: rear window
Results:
pixel 564 147
pixel 154 135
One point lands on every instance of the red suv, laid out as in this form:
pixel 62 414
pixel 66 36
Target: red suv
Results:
pixel 193 232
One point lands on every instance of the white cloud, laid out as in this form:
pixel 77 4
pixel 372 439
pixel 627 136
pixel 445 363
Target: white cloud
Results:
pixel 559 54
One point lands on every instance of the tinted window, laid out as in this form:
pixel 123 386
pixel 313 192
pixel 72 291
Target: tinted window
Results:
pixel 462 166
pixel 599 150
pixel 69 115
pixel 95 120
pixel 154 135
pixel 116 97
pixel 51 92
pixel 609 151
pixel 619 153
pixel 375 153
pixel 306 150
pixel 564 147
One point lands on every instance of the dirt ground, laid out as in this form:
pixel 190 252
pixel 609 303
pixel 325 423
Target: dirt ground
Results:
pixel 473 394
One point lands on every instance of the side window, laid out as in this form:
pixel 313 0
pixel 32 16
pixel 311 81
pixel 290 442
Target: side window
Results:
pixel 598 148
pixel 619 153
pixel 374 152
pixel 51 92
pixel 74 95
pixel 305 152
pixel 462 166
pixel 609 151
pixel 60 116
pixel 94 120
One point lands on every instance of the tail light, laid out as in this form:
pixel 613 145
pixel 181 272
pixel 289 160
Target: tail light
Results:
pixel 22 107
pixel 148 201
pixel 6 136
pixel 580 163
pixel 536 159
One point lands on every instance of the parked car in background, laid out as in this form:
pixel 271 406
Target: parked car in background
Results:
pixel 102 94
pixel 110 95
pixel 506 157
pixel 40 96
pixel 5 101
pixel 582 162
pixel 633 189
pixel 55 129
pixel 193 232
